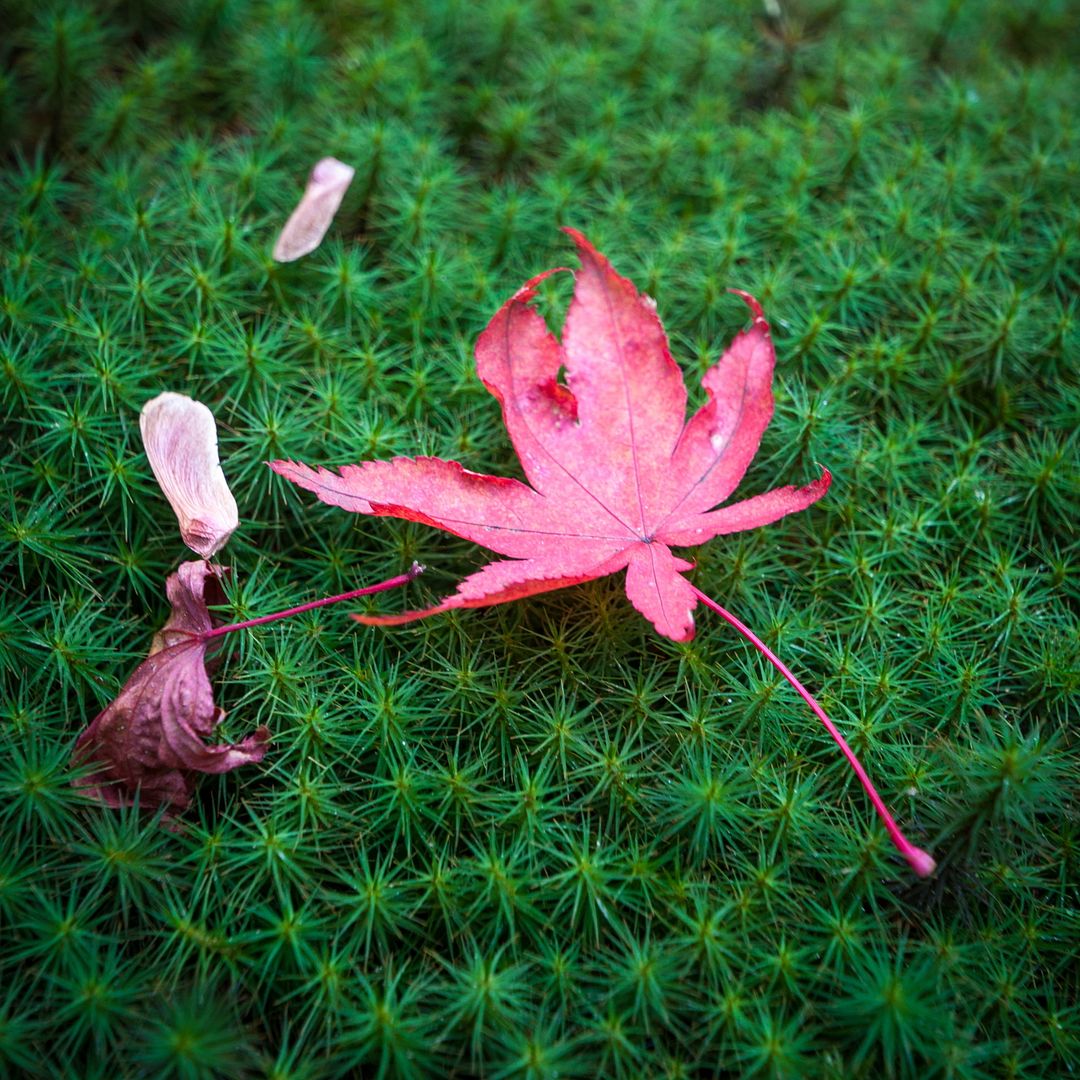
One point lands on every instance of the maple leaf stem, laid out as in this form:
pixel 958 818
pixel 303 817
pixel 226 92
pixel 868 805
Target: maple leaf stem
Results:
pixel 920 861
pixel 390 583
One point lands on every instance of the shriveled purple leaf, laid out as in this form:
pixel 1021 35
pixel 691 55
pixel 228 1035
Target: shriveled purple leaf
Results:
pixel 150 739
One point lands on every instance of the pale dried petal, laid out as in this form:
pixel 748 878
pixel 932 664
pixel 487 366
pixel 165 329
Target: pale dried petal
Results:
pixel 307 225
pixel 180 438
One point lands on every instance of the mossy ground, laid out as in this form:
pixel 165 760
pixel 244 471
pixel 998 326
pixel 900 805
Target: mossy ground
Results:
pixel 537 840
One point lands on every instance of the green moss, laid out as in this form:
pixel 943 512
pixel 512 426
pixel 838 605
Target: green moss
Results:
pixel 537 840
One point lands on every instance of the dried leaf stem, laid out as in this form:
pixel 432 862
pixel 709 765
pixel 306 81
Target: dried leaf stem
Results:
pixel 920 861
pixel 391 583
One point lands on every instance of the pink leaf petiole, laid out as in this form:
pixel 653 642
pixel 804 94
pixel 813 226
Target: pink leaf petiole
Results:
pixel 920 861
pixel 391 583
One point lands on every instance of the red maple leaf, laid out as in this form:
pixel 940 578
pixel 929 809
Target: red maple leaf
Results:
pixel 150 739
pixel 616 474
pixel 618 477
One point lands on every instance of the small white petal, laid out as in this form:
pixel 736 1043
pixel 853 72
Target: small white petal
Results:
pixel 308 223
pixel 180 438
